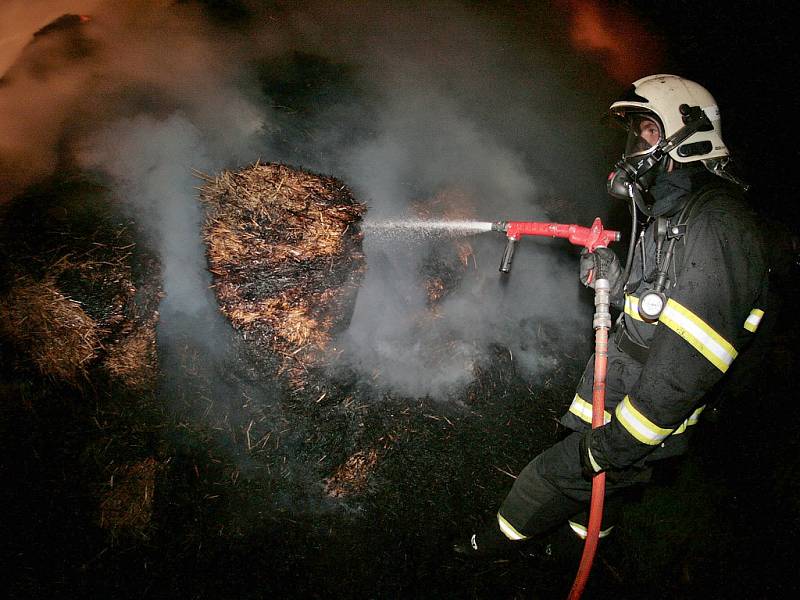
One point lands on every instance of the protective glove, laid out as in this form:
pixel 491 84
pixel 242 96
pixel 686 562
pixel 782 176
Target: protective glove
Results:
pixel 601 259
pixel 589 467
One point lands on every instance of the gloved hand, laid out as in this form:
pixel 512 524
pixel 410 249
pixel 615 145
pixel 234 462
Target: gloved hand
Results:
pixel 589 467
pixel 601 259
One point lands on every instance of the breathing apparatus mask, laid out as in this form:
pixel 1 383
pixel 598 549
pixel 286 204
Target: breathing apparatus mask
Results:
pixel 647 154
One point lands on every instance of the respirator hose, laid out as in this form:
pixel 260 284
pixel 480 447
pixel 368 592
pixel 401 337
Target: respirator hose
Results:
pixel 632 243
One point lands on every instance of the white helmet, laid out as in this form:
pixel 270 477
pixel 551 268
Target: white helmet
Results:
pixel 669 97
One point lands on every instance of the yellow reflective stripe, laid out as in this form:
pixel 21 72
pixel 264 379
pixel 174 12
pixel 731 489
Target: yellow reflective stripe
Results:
pixel 751 324
pixel 508 530
pixel 582 531
pixel 583 410
pixel 692 420
pixel 639 426
pixel 699 335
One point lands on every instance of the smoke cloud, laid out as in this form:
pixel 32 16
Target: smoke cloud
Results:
pixel 489 104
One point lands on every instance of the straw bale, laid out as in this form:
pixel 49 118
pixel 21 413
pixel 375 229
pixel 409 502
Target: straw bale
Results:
pixel 448 203
pixel 284 246
pixel 435 288
pixel 274 213
pixel 52 329
pixel 448 258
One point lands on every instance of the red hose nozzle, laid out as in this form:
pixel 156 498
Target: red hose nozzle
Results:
pixel 588 237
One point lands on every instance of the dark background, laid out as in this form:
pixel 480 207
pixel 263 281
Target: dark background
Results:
pixel 746 54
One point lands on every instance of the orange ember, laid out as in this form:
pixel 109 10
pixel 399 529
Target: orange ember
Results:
pixel 627 49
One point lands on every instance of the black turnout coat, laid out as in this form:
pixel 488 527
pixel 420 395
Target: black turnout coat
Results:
pixel 716 297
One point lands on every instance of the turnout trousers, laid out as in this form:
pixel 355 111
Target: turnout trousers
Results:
pixel 551 489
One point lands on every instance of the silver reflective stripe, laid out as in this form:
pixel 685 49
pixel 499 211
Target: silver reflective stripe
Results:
pixel 508 529
pixel 643 429
pixel 583 532
pixel 595 466
pixel 752 322
pixel 692 420
pixel 583 410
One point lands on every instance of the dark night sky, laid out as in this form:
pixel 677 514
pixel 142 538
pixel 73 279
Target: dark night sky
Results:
pixel 746 55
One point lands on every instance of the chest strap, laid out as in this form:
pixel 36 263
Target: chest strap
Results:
pixel 626 344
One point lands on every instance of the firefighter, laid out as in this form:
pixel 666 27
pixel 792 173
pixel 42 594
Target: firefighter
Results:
pixel 690 298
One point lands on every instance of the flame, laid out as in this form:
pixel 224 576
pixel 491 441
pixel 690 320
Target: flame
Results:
pixel 623 44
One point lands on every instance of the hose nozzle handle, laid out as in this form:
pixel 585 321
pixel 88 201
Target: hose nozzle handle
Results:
pixel 508 255
pixel 601 266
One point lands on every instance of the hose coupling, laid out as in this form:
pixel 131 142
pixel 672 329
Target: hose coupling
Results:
pixel 602 304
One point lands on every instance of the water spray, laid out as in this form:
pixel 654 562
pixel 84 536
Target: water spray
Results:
pixel 425 228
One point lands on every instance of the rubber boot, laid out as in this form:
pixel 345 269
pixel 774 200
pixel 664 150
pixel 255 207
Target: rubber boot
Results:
pixel 488 542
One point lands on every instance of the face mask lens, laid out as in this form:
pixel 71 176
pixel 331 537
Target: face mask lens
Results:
pixel 643 134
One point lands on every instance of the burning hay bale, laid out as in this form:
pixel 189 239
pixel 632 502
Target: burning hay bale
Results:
pixel 352 476
pixel 82 312
pixel 53 330
pixel 284 247
pixel 131 353
pixel 127 505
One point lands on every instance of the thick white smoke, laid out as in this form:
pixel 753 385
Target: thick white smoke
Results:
pixel 487 105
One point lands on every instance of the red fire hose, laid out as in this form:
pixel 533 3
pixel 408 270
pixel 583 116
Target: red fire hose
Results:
pixel 591 238
pixel 599 481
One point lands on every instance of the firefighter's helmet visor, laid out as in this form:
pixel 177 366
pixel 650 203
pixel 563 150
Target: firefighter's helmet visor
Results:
pixel 644 133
